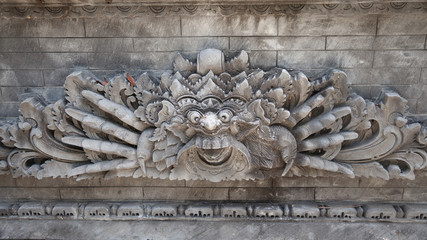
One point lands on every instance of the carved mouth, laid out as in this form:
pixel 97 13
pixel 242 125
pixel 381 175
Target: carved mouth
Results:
pixel 215 156
pixel 213 150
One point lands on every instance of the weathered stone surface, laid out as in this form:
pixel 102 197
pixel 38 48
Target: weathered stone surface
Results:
pixel 25 78
pixel 402 59
pixel 190 194
pixel 134 182
pixel 271 194
pixel 19 45
pixel 322 59
pixel 180 44
pixel 384 76
pixel 78 229
pixel 237 25
pixel 415 194
pixel 30 182
pixel 9 109
pixel 7 181
pixel 353 194
pixel 133 27
pixel 124 61
pixel 263 59
pixel 315 182
pixel 20 60
pixel 51 94
pixel 399 42
pixel 224 184
pixel 402 24
pixel 277 43
pixel 29 193
pixel 350 43
pixel 42 28
pixel 307 25
pixel 86 45
pixel 113 193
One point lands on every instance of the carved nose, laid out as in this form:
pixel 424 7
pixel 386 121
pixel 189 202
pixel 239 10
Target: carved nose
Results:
pixel 210 122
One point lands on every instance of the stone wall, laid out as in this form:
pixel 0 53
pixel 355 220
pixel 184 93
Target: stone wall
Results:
pixel 382 45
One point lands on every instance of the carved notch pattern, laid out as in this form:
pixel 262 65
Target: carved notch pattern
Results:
pixel 215 120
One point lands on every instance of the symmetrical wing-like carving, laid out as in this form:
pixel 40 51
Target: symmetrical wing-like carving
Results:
pixel 213 120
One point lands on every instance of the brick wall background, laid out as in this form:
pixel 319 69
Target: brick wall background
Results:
pixel 375 50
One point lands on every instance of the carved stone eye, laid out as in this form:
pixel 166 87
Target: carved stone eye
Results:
pixel 225 115
pixel 194 117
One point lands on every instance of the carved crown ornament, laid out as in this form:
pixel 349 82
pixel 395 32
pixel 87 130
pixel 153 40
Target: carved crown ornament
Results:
pixel 215 120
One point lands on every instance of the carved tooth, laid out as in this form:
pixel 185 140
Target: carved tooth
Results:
pixel 216 143
pixel 207 143
pixel 120 111
pixel 224 142
pixel 199 142
pixel 103 125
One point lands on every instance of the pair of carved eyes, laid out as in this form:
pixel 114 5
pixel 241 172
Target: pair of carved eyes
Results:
pixel 224 115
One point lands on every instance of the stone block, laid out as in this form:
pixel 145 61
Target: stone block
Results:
pixel 163 210
pixel 263 59
pixel 135 182
pixel 325 59
pixel 350 43
pixel 383 76
pixel 402 24
pixel 133 27
pixel 304 211
pixel 112 193
pixel 129 61
pixel 322 25
pixel 236 25
pixel 198 211
pixel 9 109
pixel 273 194
pixel 64 60
pixel 15 78
pixel 20 93
pixel 420 181
pixel 315 182
pixel 359 194
pixel 267 211
pixel 32 182
pixel 31 209
pixel 54 27
pixel 20 60
pixel 341 212
pixel 413 211
pixel 399 42
pixel 415 194
pixel 96 211
pixel 179 193
pixel 130 210
pixel 7 181
pixel 19 45
pixel 243 183
pixel 65 210
pixel 277 43
pixel 379 211
pixel 233 211
pixel 56 77
pixel 29 194
pixel 86 45
pixel 180 44
pixel 400 59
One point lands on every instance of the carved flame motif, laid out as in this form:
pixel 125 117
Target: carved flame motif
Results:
pixel 213 120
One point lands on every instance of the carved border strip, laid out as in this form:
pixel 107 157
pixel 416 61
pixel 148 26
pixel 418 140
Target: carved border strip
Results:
pixel 224 10
pixel 139 211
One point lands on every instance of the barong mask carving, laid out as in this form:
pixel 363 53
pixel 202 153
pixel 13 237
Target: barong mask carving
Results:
pixel 215 120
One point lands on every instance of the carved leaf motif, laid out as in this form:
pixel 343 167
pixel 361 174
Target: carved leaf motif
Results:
pixel 372 169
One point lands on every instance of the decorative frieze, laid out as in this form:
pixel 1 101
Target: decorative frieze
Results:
pixel 55 11
pixel 140 211
pixel 213 120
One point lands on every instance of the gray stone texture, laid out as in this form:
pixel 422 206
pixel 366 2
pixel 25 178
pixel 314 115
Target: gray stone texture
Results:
pixel 376 51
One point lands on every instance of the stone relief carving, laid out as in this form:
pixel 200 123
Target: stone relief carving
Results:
pixel 215 120
pixel 140 211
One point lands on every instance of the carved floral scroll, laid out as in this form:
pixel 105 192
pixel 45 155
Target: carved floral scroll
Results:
pixel 215 120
